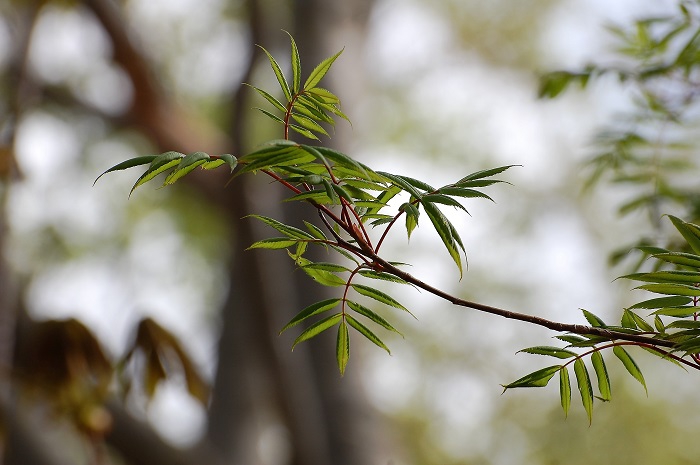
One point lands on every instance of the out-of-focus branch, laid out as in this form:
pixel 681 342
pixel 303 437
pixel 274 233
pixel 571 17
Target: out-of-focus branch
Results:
pixel 140 445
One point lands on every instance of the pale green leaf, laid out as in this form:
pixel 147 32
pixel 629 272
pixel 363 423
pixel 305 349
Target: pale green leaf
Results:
pixel 320 71
pixel 342 347
pixel 549 350
pixel 601 372
pixel 362 310
pixel 565 390
pixel 630 365
pixel 188 163
pixel 539 378
pixel 366 332
pixel 311 310
pixel 379 296
pixel 278 74
pixel 317 328
pixel 128 164
pixel 584 387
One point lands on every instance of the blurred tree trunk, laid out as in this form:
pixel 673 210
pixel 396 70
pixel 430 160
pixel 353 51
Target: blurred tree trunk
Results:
pixel 267 401
pixel 322 413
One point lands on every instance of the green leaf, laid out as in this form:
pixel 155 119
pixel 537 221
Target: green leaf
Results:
pixel 276 103
pixel 317 328
pixel 330 267
pixel 402 183
pixel 601 373
pixel 188 163
pixel 339 158
pixel 366 332
pixel 671 289
pixel 665 276
pixel 311 310
pixel 342 347
pixel 584 387
pixel 379 296
pixel 549 350
pixel 462 192
pixel 565 390
pixel 571 339
pixel 630 365
pixel 364 311
pixel 274 243
pixel 328 96
pixel 320 71
pixel 677 312
pixel 371 274
pixel 659 302
pixel 272 116
pixel 641 323
pixel 593 319
pixel 679 258
pixel 308 123
pixel 483 174
pixel 538 378
pixel 128 164
pixel 315 231
pixel 446 232
pixel 290 231
pixel 412 215
pixel 304 132
pixel 689 234
pixel 325 278
pixel 161 163
pixel 296 70
pixel 442 199
pixel 278 74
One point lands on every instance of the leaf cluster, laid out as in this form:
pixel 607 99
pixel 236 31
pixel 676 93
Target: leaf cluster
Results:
pixel 306 108
pixel 649 148
pixel 677 341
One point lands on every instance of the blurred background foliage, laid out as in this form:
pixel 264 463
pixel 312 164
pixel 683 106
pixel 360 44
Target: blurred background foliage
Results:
pixel 111 310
